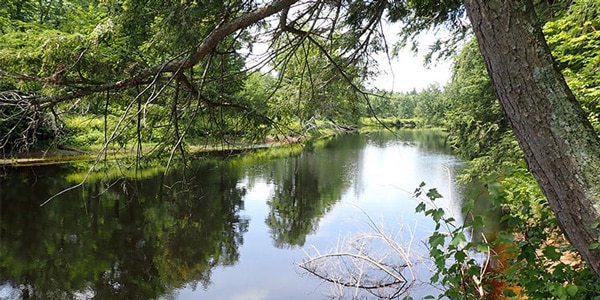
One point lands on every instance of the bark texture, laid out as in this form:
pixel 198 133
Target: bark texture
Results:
pixel 560 146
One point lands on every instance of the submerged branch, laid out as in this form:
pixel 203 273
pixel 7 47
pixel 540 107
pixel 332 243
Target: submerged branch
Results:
pixel 386 273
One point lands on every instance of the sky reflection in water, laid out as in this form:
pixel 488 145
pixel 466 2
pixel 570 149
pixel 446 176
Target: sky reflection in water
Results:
pixel 382 181
pixel 236 230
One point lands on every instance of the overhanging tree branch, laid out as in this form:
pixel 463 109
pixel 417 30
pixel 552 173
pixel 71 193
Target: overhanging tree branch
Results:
pixel 177 64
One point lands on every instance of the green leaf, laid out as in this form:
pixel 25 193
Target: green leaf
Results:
pixel 593 246
pixel 437 214
pixel 572 290
pixel 421 207
pixel 458 238
pixel 436 239
pixel 433 194
pixel 506 237
pixel 482 247
pixel 478 222
pixel 551 253
pixel 460 256
pixel 419 190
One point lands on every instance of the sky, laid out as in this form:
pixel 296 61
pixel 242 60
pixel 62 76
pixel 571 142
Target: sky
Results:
pixel 407 71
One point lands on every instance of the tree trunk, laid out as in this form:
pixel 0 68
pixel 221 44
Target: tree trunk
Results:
pixel 560 146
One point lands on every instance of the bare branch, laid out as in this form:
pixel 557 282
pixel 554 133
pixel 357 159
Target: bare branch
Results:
pixel 386 273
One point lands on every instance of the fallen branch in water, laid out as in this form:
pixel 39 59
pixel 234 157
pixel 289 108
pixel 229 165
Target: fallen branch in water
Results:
pixel 355 267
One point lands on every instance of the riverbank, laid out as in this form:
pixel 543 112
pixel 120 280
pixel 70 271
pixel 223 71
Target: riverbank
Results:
pixel 60 156
pixel 70 154
pixel 46 157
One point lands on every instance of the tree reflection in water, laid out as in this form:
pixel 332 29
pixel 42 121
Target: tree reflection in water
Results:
pixel 118 238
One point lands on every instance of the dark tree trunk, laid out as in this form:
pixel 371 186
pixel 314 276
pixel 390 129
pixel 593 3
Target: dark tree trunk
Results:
pixel 561 148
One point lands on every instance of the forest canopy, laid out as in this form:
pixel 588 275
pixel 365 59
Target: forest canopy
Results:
pixel 149 70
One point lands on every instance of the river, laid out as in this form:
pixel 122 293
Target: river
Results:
pixel 232 228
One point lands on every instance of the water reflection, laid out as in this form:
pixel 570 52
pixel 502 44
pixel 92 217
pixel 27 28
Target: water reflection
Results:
pixel 430 141
pixel 162 236
pixel 306 187
pixel 118 239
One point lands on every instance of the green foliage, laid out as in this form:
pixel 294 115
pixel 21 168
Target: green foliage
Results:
pixel 386 106
pixel 311 87
pixel 528 257
pixel 534 249
pixel 406 105
pixel 51 50
pixel 56 47
pixel 85 131
pixel 480 134
pixel 543 263
pixel 431 105
pixel 426 107
pixel 397 105
pixel 474 117
pixel 575 42
pixel 457 270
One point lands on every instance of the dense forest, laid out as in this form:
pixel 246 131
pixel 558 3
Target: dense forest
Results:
pixel 145 77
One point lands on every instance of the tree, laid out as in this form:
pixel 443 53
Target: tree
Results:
pixel 312 88
pixel 574 39
pixel 431 105
pixel 474 117
pixel 406 103
pixel 559 143
pixel 125 50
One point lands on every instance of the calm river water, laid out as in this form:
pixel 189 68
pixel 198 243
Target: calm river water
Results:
pixel 226 229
